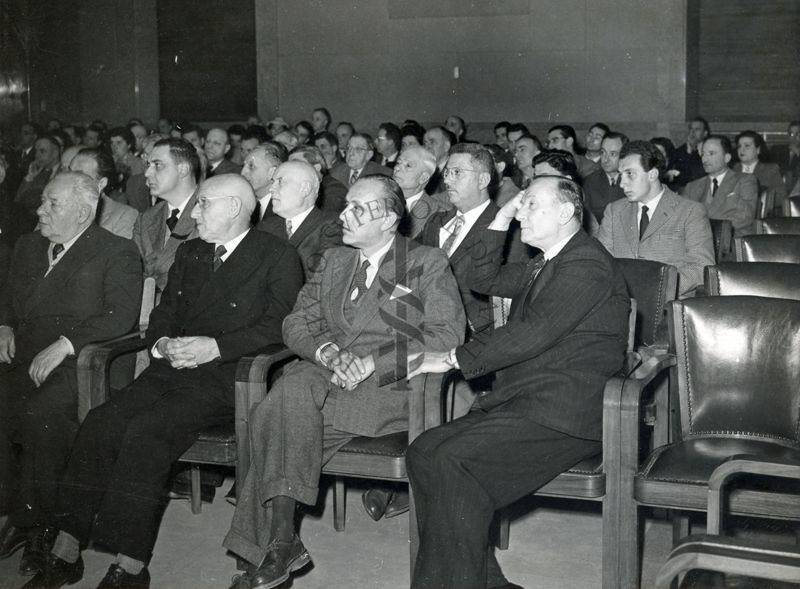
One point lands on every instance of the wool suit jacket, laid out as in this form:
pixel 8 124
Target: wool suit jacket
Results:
pixel 156 244
pixel 768 176
pixel 469 254
pixel 332 194
pixel 268 217
pixel 93 293
pixel 586 167
pixel 241 305
pixel 116 217
pixel 598 193
pixel 411 306
pixel 678 234
pixel 566 335
pixel 415 219
pixel 226 166
pixel 736 199
pixel 342 174
pixel 318 232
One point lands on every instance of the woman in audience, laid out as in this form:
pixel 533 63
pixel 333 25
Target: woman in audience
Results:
pixel 751 149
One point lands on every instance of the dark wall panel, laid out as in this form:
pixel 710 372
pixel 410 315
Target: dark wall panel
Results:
pixel 207 59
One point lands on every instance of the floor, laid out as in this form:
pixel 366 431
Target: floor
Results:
pixel 553 546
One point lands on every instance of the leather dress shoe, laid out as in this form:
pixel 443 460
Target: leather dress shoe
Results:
pixel 12 539
pixel 119 578
pixel 282 559
pixel 398 504
pixel 38 546
pixel 375 501
pixel 56 573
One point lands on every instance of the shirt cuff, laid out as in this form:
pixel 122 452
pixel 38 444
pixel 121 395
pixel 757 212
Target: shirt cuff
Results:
pixel 69 345
pixel 154 350
pixel 318 354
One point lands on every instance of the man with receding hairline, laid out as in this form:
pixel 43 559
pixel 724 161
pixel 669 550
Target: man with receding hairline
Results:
pixel 216 148
pixel 415 166
pixel 258 169
pixel 226 297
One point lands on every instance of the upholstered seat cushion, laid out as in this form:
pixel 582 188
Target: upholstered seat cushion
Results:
pixel 586 480
pixel 382 457
pixel 214 445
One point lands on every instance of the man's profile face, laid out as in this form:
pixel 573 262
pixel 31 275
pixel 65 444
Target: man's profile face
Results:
pixel 194 138
pixel 60 214
pixel 555 140
pixel 46 153
pixel 328 150
pixel 119 147
pixel 594 138
pixel 343 134
pixel 27 136
pixel 302 134
pixel 363 216
pixel 211 213
pixel 609 155
pixel 635 180
pixel 319 121
pixel 462 179
pixel 384 146
pixel 435 142
pixel 287 191
pixel 162 175
pixel 715 160
pixel 258 172
pixel 358 153
pixel 540 214
pixel 454 126
pixel 409 173
pixel 216 145
pixel 139 133
pixel 513 137
pixel 92 139
pixel 697 132
pixel 164 127
pixel 248 145
pixel 524 152
pixel 501 137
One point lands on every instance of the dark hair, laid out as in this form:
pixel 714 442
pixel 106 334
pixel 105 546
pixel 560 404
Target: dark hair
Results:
pixel 307 126
pixel 558 159
pixel 331 138
pixel 451 138
pixel 518 128
pixel 724 142
pixel 462 123
pixel 236 129
pixel 37 129
pixel 415 131
pixel 706 126
pixel 276 149
pixel 105 166
pixel 667 144
pixel 325 112
pixel 393 198
pixel 479 154
pixel 366 137
pixel 99 129
pixel 347 124
pixel 392 133
pixel 566 131
pixel 535 140
pixel 189 128
pixel 502 125
pixel 258 132
pixel 649 155
pixel 63 139
pixel 615 135
pixel 126 135
pixel 51 139
pixel 756 137
pixel 182 152
pixel 569 191
pixel 501 155
pixel 602 126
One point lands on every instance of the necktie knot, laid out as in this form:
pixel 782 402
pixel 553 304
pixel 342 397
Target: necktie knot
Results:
pixel 455 229
pixel 288 229
pixel 360 282
pixel 173 220
pixel 218 253
pixel 57 249
pixel 353 177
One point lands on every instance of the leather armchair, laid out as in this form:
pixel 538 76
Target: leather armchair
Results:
pixel 791 206
pixel 722 232
pixel 761 279
pixel 738 365
pixel 768 248
pixel 778 226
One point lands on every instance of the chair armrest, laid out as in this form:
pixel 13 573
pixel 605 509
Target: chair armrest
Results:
pixel 425 403
pixel 94 362
pixel 741 464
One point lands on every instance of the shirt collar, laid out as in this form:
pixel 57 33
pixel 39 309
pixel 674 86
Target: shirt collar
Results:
pixel 376 258
pixel 66 244
pixel 720 177
pixel 652 204
pixel 555 249
pixel 231 245
pixel 180 207
pixel 472 215
pixel 411 201
pixel 297 220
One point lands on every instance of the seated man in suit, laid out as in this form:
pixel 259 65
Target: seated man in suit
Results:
pixel 309 230
pixel 687 163
pixel 594 141
pixel 259 170
pixel 726 193
pixel 41 170
pixel 344 131
pixel 414 168
pixel 601 187
pixel 749 145
pixel 226 297
pixel 332 193
pixel 788 158
pixel 360 150
pixel 328 144
pixel 566 335
pixel 526 148
pixel 388 144
pixel 173 171
pixel 216 148
pixel 113 216
pixel 438 141
pixel 71 283
pixel 563 137
pixel 654 223
pixel 351 380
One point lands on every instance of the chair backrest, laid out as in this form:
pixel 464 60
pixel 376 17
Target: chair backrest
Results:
pixel 765 204
pixel 791 206
pixel 148 302
pixel 738 367
pixel 768 248
pixel 722 231
pixel 759 279
pixel 778 226
pixel 652 285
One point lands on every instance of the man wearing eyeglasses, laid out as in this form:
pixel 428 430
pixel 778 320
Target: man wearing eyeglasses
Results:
pixel 359 154
pixel 172 174
pixel 226 297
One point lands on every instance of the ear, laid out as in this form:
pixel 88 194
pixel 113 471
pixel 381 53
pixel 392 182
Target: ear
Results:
pixel 184 169
pixel 484 179
pixel 566 213
pixel 652 174
pixel 102 184
pixel 727 158
pixel 227 147
pixel 501 166
pixel 235 207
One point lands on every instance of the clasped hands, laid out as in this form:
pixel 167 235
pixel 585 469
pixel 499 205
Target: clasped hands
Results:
pixel 348 369
pixel 188 352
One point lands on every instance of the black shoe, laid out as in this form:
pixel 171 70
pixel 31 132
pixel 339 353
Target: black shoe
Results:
pixel 282 559
pixel 375 501
pixel 119 578
pixel 36 550
pixel 12 539
pixel 56 573
pixel 183 490
pixel 397 504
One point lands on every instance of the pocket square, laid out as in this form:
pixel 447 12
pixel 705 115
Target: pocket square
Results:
pixel 730 194
pixel 399 292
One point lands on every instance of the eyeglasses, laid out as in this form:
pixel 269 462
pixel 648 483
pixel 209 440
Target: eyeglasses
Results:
pixel 204 201
pixel 455 173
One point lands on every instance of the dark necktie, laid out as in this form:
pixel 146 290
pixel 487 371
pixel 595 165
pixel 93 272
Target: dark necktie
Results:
pixel 714 186
pixel 353 177
pixel 57 249
pixel 218 253
pixel 255 218
pixel 644 222
pixel 359 282
pixel 173 220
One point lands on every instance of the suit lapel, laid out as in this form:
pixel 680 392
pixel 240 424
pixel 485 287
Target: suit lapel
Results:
pixel 661 215
pixel 306 227
pixel 631 225
pixel 474 235
pixel 186 227
pixel 342 272
pixel 157 230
